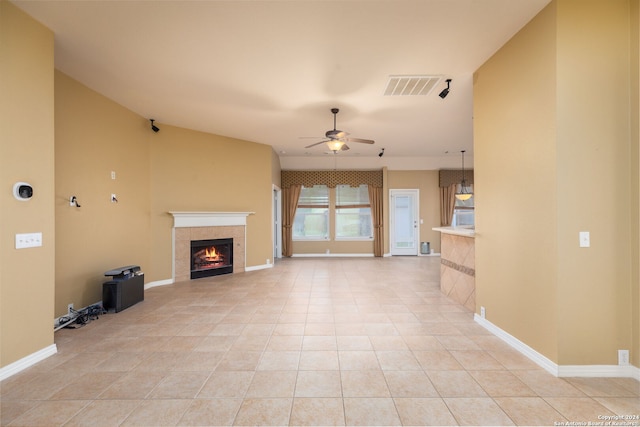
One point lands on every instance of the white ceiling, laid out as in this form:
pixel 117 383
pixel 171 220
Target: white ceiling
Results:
pixel 270 71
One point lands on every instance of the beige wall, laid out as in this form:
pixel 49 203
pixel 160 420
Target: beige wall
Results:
pixel 427 184
pixel 276 169
pixel 95 136
pixel 514 138
pixel 26 154
pixel 551 159
pixel 195 171
pixel 172 170
pixel 594 283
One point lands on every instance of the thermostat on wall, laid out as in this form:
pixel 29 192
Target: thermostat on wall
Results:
pixel 22 191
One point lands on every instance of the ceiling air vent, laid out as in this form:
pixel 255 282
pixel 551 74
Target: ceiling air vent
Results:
pixel 410 85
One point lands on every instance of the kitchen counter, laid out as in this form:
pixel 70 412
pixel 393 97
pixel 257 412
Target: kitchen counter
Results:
pixel 458 231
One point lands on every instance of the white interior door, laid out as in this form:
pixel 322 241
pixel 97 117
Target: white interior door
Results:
pixel 404 225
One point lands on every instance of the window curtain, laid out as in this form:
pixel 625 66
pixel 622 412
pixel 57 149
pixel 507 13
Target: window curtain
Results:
pixel 290 196
pixel 447 204
pixel 375 198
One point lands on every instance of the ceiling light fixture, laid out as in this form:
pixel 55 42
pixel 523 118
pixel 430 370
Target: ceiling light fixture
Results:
pixel 154 127
pixel 463 194
pixel 335 145
pixel 445 91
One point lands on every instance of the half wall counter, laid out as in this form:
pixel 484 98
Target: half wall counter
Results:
pixel 457 268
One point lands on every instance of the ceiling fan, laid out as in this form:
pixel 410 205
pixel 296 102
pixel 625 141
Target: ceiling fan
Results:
pixel 336 139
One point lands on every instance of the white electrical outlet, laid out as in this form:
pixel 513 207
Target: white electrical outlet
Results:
pixel 623 357
pixel 585 239
pixel 28 240
pixel 113 174
pixel 69 308
pixel 483 312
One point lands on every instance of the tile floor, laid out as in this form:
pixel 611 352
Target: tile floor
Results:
pixel 354 341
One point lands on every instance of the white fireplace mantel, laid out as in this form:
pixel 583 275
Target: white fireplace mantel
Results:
pixel 209 219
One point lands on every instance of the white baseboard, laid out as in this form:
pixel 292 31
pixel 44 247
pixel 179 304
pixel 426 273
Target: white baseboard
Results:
pixel 172 281
pixel 523 348
pixel 258 267
pixel 159 283
pixel 25 362
pixel 603 371
pixel 326 255
pixel 552 367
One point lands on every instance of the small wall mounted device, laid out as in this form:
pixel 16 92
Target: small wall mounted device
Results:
pixel 22 191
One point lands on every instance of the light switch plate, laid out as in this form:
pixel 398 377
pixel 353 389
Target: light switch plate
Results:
pixel 28 240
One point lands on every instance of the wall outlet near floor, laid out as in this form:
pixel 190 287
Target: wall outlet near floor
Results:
pixel 69 308
pixel 483 312
pixel 623 357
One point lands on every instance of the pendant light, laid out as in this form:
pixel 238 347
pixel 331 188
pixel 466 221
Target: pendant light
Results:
pixel 463 194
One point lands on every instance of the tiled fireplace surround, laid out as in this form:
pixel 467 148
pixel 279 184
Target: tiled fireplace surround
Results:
pixel 190 226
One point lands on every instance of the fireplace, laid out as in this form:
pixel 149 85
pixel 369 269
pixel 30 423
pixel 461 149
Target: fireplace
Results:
pixel 188 226
pixel 211 257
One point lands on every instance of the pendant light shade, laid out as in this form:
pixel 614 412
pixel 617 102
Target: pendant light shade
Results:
pixel 463 194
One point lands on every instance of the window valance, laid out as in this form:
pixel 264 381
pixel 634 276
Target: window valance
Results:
pixel 331 178
pixel 454 176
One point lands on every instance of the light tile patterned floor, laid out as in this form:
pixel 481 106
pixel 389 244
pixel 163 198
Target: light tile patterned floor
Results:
pixel 356 341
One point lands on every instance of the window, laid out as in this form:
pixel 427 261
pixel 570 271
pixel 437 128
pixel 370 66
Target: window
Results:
pixel 463 212
pixel 312 216
pixel 353 213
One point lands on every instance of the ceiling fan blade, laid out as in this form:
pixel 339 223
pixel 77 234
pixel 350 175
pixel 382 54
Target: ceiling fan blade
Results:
pixel 363 141
pixel 317 143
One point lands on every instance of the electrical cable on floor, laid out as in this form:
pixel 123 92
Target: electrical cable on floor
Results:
pixel 78 318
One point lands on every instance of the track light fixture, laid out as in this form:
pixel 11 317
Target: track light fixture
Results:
pixel 381 153
pixel 445 91
pixel 154 127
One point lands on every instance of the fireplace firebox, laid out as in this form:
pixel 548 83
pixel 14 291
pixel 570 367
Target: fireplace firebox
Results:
pixel 211 257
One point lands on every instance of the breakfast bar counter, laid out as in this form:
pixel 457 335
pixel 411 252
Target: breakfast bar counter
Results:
pixel 457 268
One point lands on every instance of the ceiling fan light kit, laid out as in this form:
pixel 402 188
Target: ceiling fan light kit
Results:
pixel 337 139
pixel 335 145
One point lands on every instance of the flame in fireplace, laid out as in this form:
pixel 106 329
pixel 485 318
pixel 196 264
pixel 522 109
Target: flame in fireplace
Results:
pixel 210 254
